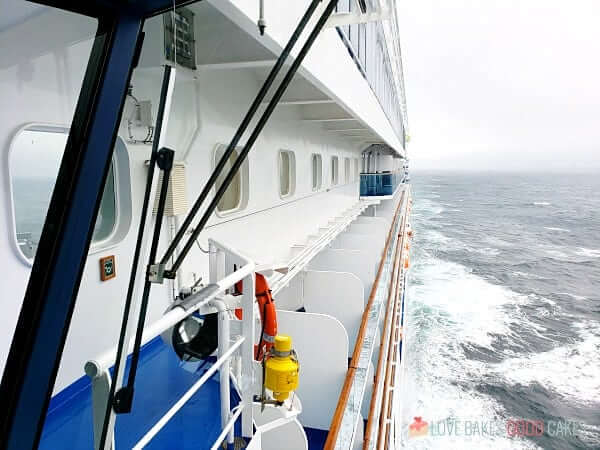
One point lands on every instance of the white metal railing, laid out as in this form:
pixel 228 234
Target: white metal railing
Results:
pixel 375 435
pixel 185 397
pixel 345 434
pixel 301 260
pixel 221 258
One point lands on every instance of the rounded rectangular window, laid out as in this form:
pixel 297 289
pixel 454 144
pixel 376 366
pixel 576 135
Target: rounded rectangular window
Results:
pixel 236 195
pixel 335 169
pixel 317 171
pixel 35 157
pixel 287 173
pixel 347 170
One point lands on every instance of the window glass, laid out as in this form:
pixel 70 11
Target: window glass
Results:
pixel 106 220
pixel 334 170
pixel 317 172
pixel 287 173
pixel 355 169
pixel 35 158
pixel 232 198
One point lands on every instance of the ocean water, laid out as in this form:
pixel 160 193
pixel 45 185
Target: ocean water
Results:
pixel 502 317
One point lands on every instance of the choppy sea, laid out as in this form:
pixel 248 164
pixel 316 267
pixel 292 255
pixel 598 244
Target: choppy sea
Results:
pixel 502 320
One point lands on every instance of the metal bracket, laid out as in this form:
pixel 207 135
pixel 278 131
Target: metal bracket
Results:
pixel 156 273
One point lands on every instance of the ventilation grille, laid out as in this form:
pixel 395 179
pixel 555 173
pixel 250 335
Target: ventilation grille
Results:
pixel 177 201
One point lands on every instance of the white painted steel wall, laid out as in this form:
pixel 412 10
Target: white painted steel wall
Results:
pixel 327 65
pixel 43 86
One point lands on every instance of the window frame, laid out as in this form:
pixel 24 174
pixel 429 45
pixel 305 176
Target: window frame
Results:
pixel 315 187
pixel 347 169
pixel 291 172
pixel 335 170
pixel 117 233
pixel 244 172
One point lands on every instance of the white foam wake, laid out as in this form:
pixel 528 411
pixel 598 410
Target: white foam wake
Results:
pixel 588 252
pixel 571 370
pixel 448 307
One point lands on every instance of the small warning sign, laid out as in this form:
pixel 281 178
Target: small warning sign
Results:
pixel 107 268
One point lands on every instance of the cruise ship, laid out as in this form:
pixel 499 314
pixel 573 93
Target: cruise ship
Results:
pixel 205 227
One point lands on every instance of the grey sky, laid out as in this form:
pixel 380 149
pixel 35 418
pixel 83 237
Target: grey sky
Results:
pixel 502 84
pixel 37 154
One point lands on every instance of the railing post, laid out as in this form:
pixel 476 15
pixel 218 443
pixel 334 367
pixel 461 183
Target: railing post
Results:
pixel 247 380
pixel 100 389
pixel 224 342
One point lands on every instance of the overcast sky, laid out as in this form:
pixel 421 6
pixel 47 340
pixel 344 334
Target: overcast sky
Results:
pixel 500 84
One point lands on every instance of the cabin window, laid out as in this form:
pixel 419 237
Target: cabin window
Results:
pixel 317 171
pixel 287 173
pixel 235 197
pixel 347 170
pixel 335 167
pixel 35 157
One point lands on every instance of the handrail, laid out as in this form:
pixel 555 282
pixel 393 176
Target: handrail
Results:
pixel 389 172
pixel 160 423
pixel 385 400
pixel 229 426
pixel 345 393
pixel 299 262
pixel 95 367
pixel 390 384
pixel 391 304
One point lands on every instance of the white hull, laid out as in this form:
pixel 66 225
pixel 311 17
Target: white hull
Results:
pixel 329 110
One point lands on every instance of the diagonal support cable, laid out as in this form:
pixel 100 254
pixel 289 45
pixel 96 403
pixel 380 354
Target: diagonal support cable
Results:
pixel 240 131
pixel 252 139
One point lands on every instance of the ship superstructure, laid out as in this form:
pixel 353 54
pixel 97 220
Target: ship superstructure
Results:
pixel 206 229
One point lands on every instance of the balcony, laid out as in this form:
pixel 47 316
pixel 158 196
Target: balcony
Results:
pixel 380 184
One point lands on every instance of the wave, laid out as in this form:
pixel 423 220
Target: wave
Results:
pixel 557 254
pixel 486 251
pixel 571 370
pixel 436 237
pixel 542 203
pixel 496 242
pixel 557 229
pixel 447 307
pixel 576 297
pixel 588 252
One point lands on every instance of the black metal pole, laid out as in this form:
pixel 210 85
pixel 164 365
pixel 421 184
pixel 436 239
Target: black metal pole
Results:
pixel 122 345
pixel 45 316
pixel 124 396
pixel 252 139
pixel 240 131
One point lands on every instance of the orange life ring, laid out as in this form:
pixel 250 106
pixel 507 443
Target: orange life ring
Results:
pixel 268 315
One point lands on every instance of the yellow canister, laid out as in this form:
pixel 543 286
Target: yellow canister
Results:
pixel 281 368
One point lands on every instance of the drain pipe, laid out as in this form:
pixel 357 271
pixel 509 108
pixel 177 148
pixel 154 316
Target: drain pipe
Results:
pixel 224 340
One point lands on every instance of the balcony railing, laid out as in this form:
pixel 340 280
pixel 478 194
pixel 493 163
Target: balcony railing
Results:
pixel 380 184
